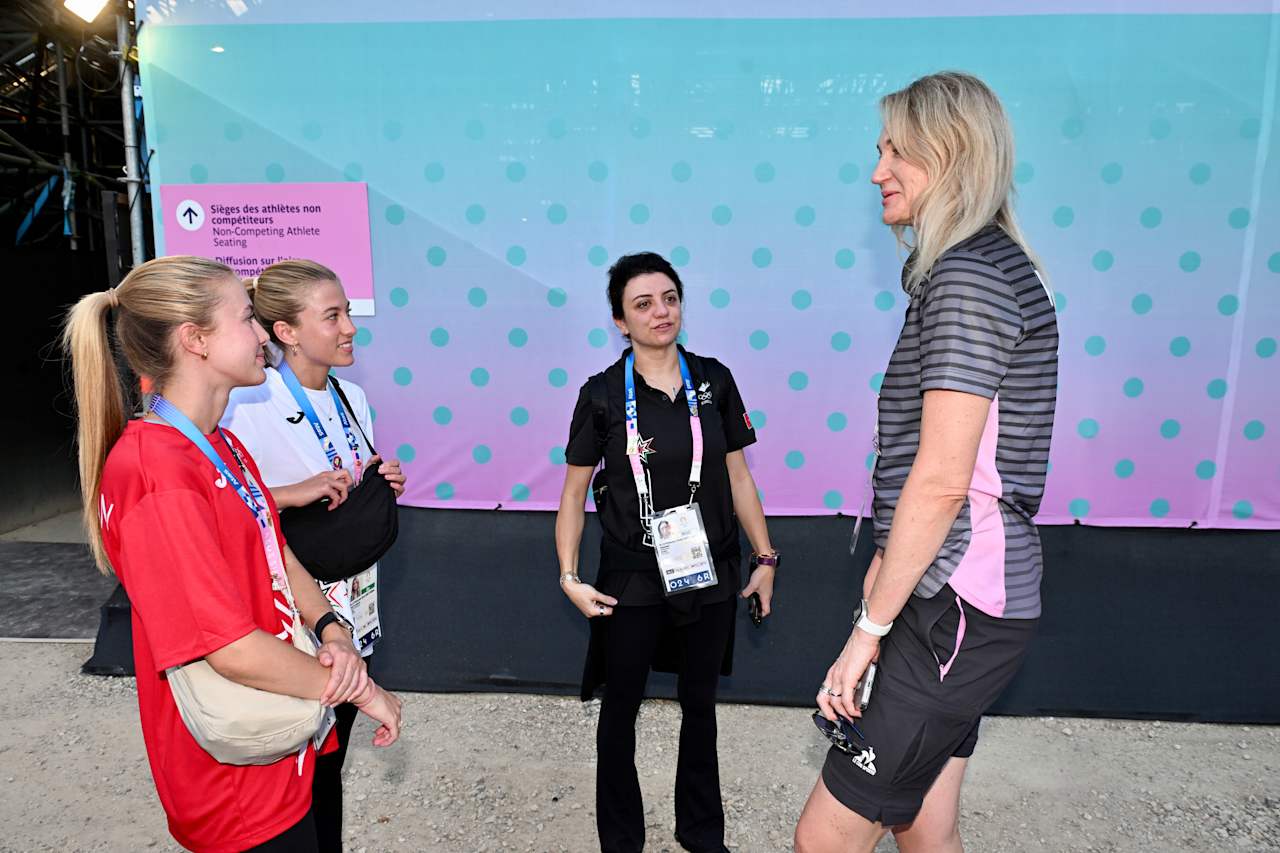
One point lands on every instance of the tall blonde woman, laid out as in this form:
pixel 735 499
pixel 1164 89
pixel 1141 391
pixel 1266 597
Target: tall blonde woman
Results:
pixel 313 441
pixel 172 505
pixel 951 598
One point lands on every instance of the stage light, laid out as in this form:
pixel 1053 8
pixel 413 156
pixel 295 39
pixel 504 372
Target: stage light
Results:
pixel 86 9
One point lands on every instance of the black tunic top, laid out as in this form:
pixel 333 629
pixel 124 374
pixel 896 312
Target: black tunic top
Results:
pixel 628 568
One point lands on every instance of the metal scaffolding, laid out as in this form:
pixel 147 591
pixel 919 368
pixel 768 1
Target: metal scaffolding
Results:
pixel 72 158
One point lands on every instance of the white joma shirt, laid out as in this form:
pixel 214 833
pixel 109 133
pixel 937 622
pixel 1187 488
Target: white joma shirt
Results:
pixel 269 423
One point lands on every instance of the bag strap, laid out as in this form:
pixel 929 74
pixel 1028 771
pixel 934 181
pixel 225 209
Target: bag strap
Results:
pixel 337 386
pixel 599 393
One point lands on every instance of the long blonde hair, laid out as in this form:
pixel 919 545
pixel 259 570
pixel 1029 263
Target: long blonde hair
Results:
pixel 953 126
pixel 152 301
pixel 279 292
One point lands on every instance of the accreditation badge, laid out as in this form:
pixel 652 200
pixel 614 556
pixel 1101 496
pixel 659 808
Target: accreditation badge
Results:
pixel 364 608
pixel 684 555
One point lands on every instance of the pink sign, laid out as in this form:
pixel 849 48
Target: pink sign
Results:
pixel 251 226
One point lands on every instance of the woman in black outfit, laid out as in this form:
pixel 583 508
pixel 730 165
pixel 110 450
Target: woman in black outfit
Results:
pixel 677 617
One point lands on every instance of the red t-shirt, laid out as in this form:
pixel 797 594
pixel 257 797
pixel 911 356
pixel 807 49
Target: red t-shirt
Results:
pixel 190 556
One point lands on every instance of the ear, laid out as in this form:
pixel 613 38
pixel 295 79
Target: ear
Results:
pixel 622 327
pixel 191 338
pixel 284 333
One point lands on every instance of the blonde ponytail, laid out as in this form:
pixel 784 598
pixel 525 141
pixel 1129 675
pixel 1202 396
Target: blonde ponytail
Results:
pixel 152 301
pixel 100 404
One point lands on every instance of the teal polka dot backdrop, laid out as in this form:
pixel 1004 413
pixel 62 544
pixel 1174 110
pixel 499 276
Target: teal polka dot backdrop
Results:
pixel 498 202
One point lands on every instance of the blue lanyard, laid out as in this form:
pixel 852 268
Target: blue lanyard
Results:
pixel 690 394
pixel 633 424
pixel 248 491
pixel 304 402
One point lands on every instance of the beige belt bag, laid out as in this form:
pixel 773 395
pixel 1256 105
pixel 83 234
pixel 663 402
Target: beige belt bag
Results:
pixel 237 724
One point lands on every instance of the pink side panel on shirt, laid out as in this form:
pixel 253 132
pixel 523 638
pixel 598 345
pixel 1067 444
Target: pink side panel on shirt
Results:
pixel 979 578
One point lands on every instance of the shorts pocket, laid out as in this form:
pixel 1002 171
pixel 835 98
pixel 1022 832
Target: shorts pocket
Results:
pixel 944 633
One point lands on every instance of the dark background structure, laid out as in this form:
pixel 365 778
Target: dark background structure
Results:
pixel 1138 622
pixel 63 226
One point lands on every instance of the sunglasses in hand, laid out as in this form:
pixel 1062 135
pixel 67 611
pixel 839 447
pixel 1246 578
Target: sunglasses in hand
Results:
pixel 844 734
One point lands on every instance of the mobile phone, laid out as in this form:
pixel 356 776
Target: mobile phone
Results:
pixel 863 691
pixel 755 609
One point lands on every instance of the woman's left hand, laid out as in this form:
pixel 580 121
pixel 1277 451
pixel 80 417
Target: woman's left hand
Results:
pixel 761 581
pixel 391 471
pixel 348 677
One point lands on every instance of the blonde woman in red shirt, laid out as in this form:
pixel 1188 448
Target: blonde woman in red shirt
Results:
pixel 162 514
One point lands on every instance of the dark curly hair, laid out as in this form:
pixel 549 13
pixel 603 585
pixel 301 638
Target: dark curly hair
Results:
pixel 628 267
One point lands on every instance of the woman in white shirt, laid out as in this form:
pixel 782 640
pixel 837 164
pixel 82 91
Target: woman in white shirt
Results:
pixel 310 448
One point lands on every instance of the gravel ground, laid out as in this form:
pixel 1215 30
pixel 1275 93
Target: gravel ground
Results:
pixel 495 772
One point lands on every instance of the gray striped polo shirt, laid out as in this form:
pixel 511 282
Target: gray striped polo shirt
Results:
pixel 984 324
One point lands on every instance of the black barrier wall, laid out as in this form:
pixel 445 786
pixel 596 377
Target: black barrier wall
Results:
pixel 40 478
pixel 1149 623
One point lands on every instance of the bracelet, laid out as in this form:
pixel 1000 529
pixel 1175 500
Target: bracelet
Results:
pixel 569 576
pixel 773 561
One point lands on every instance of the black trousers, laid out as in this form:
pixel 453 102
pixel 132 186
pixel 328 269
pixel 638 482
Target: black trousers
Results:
pixel 326 788
pixel 634 633
pixel 299 838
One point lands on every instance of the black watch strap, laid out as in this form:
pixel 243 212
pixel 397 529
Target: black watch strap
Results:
pixel 328 619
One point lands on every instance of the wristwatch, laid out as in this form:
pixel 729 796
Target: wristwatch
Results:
pixel 863 622
pixel 330 618
pixel 774 560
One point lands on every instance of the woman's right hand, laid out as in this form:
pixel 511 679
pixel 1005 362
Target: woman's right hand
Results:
pixel 586 598
pixel 385 708
pixel 333 485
